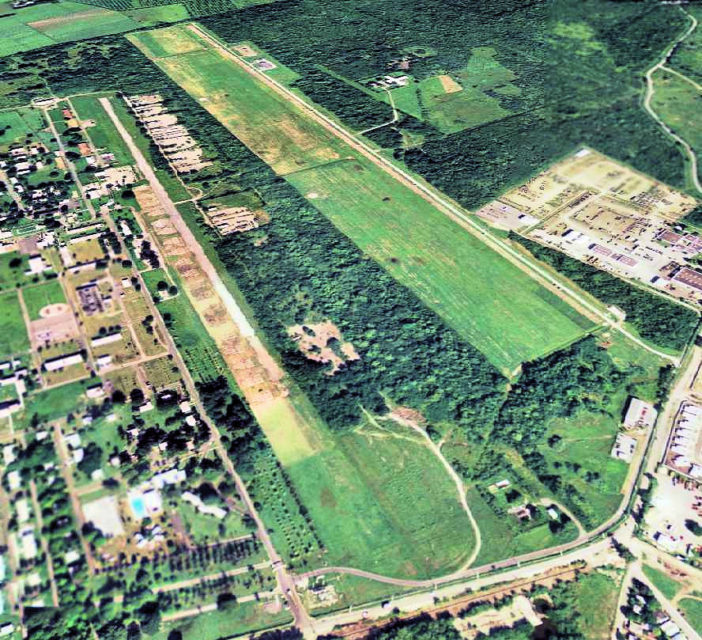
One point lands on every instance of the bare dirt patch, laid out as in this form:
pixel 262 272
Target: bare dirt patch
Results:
pixel 164 227
pixel 322 342
pixel 56 324
pixel 449 85
pixel 245 50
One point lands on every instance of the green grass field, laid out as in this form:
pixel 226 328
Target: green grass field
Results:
pixel 452 112
pixel 493 304
pixel 498 308
pixel 367 493
pixel 150 16
pixel 45 24
pixel 12 274
pixel 668 586
pixel 692 610
pixel 55 403
pixel 596 601
pixel 13 332
pixel 242 618
pixel 38 296
pixel 103 134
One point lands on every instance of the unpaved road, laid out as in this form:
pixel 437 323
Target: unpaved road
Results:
pixel 434 448
pixel 650 90
pixel 285 580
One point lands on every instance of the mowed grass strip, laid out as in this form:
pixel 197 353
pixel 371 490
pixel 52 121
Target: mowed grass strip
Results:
pixel 281 135
pixel 13 332
pixel 39 296
pixel 491 302
pixel 102 132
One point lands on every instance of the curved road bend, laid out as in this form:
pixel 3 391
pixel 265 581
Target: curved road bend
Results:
pixel 650 90
pixel 436 450
pixel 447 207
pixel 284 578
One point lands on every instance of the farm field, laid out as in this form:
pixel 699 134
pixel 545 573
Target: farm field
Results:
pixel 39 296
pixel 295 146
pixel 49 23
pixel 13 332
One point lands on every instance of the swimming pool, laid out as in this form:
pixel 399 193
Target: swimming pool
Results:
pixel 136 502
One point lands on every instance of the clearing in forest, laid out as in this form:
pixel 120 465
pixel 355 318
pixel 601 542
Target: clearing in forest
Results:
pixel 493 304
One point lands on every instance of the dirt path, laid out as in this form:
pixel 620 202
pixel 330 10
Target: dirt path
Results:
pixel 286 583
pixel 433 447
pixel 426 191
pixel 682 76
pixel 650 91
pixel 582 533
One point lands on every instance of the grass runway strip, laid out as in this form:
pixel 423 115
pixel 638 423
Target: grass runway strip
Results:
pixel 492 303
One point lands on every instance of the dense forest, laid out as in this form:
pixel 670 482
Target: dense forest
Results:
pixel 656 318
pixel 582 376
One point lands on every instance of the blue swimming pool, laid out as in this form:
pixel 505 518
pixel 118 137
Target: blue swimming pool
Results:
pixel 138 506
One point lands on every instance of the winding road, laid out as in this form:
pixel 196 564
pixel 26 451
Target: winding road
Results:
pixel 650 91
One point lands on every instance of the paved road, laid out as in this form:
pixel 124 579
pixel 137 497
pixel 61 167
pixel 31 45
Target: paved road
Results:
pixel 672 612
pixel 285 580
pixel 430 194
pixel 650 90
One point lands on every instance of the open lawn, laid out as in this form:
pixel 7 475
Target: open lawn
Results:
pixel 668 586
pixel 13 332
pixel 367 494
pixel 452 112
pixel 12 268
pixel 149 16
pixel 498 308
pixel 241 618
pixel 692 610
pixel 596 601
pixel 55 403
pixel 39 296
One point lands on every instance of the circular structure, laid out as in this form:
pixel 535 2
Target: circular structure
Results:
pixel 53 310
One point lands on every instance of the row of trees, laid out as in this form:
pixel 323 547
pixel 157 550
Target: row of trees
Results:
pixel 657 319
